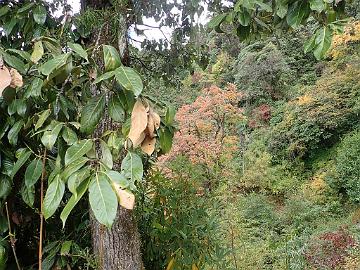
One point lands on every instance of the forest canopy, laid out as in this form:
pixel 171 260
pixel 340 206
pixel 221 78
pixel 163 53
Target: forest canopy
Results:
pixel 231 144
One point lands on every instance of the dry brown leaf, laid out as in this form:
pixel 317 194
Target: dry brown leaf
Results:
pixel 16 79
pixel 150 129
pixel 155 117
pixel 148 145
pixel 5 78
pixel 138 123
pixel 126 199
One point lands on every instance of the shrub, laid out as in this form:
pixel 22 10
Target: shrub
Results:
pixel 175 224
pixel 348 165
pixel 329 250
pixel 260 72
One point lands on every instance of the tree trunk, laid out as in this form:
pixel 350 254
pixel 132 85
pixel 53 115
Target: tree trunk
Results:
pixel 117 248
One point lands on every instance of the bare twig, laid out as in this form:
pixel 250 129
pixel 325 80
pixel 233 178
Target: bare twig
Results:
pixel 42 209
pixel 12 238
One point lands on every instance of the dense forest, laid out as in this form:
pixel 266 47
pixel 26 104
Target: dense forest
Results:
pixel 231 143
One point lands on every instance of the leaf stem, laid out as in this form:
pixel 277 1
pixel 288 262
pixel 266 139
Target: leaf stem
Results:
pixel 12 238
pixel 41 209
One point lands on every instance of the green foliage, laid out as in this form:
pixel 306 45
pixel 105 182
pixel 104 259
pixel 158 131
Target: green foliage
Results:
pixel 175 223
pixel 348 165
pixel 252 18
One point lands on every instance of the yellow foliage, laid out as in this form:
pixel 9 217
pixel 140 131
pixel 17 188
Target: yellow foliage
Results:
pixel 352 263
pixel 316 188
pixel 356 216
pixel 305 99
pixel 351 34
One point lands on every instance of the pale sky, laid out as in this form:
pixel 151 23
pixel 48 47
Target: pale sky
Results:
pixel 149 33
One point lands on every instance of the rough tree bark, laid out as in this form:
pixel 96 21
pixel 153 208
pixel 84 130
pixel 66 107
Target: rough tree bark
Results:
pixel 117 248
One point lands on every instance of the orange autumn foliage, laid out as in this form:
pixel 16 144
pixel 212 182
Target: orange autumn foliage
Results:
pixel 208 127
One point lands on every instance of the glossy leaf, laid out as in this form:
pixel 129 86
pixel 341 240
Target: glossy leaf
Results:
pixel 105 76
pixel 54 64
pixel 217 20
pixel 33 172
pixel 77 178
pixel 50 136
pixel 77 48
pixel 77 150
pixel 69 136
pixel 20 162
pixel 116 177
pixel 322 42
pixel 111 58
pixel 34 89
pixel 106 156
pixel 74 199
pixel 53 196
pixel 42 118
pixel 132 168
pixel 28 195
pixel 73 167
pixel 165 138
pixel 297 13
pixel 116 110
pixel 129 79
pixel 39 14
pixel 103 200
pixel 14 132
pixel 38 52
pixel 92 113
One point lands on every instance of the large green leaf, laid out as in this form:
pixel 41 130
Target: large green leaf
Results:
pixel 106 156
pixel 129 79
pixel 165 139
pixel 104 76
pixel 39 14
pixel 117 178
pixel 132 168
pixel 322 42
pixel 23 54
pixel 34 90
pixel 317 5
pixel 74 199
pixel 73 167
pixel 77 178
pixel 33 172
pixel 77 48
pixel 103 200
pixel 92 113
pixel 54 64
pixel 14 132
pixel 244 17
pixel 281 8
pixel 298 12
pixel 111 58
pixel 53 196
pixel 28 195
pixel 170 115
pixel 14 62
pixel 20 162
pixel 38 52
pixel 77 150
pixel 51 134
pixel 116 110
pixel 217 20
pixel 5 187
pixel 42 118
pixel 69 136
